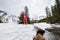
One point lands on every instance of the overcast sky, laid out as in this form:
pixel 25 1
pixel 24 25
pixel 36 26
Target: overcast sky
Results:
pixel 36 7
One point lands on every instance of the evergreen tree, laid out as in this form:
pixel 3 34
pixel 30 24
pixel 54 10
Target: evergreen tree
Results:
pixel 55 17
pixel 56 12
pixel 58 6
pixel 21 17
pixel 48 13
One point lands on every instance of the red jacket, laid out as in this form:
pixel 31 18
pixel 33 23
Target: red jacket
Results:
pixel 25 19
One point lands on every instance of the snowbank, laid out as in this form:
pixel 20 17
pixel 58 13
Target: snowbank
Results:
pixel 42 25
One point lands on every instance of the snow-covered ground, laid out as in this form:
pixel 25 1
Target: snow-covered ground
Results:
pixel 42 25
pixel 13 31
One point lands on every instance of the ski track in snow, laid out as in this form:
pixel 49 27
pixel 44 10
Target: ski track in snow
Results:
pixel 10 31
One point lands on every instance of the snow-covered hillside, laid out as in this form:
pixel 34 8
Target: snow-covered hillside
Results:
pixel 8 17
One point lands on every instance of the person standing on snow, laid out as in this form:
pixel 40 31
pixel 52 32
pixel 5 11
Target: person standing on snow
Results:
pixel 25 19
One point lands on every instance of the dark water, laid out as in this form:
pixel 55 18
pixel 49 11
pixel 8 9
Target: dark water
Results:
pixel 52 36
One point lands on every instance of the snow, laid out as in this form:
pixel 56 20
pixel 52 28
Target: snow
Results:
pixel 42 25
pixel 10 31
pixel 13 31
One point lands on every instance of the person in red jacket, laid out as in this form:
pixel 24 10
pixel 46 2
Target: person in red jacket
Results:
pixel 25 19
